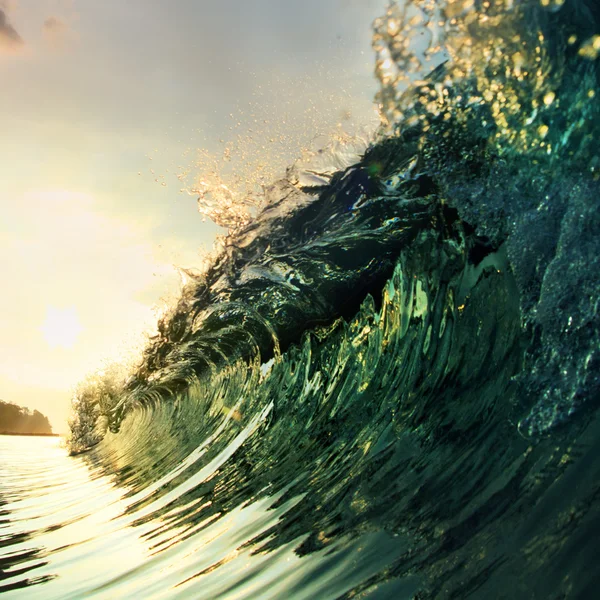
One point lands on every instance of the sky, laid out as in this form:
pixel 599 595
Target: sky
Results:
pixel 103 103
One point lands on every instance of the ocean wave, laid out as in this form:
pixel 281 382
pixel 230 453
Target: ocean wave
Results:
pixel 397 356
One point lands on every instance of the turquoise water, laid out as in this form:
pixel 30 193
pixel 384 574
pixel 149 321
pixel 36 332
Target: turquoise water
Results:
pixel 386 384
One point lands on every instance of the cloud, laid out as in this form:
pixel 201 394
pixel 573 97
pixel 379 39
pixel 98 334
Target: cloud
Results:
pixel 57 32
pixel 10 40
pixel 53 24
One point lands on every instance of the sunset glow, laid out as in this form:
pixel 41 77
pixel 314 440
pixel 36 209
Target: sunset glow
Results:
pixel 99 124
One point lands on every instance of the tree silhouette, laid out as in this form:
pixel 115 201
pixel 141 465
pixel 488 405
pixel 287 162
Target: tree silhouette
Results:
pixel 17 419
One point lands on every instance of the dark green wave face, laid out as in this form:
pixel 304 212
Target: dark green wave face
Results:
pixel 385 386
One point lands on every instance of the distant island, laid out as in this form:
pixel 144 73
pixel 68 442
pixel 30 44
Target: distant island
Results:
pixel 17 420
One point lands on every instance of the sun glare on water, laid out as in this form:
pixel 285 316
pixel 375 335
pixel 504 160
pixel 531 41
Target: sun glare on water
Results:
pixel 61 327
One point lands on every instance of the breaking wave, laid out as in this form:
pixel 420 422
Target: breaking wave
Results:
pixel 384 385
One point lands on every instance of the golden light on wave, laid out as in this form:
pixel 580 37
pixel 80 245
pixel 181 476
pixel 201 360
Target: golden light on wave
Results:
pixel 61 327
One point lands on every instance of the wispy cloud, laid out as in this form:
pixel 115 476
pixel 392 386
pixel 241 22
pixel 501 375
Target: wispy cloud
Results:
pixel 10 40
pixel 58 34
pixel 54 25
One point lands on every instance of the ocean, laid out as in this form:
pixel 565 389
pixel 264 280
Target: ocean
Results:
pixel 386 382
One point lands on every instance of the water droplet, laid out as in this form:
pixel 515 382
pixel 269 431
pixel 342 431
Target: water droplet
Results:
pixel 549 98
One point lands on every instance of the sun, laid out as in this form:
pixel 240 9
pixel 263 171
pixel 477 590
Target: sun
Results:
pixel 61 327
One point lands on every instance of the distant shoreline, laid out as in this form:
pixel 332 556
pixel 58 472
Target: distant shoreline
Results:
pixel 31 434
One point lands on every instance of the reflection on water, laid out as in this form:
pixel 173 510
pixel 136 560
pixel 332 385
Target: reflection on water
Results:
pixel 60 515
pixel 72 529
pixel 67 531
